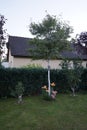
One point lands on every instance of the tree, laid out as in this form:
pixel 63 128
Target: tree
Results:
pixel 51 37
pixel 19 90
pixel 73 74
pixel 81 43
pixel 2 36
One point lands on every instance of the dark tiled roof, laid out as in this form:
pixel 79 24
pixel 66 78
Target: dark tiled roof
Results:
pixel 19 47
pixel 73 55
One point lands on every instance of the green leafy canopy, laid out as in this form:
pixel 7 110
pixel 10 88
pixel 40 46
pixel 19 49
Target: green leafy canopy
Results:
pixel 51 37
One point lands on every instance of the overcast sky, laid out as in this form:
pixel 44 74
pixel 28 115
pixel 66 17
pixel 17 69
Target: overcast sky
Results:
pixel 20 13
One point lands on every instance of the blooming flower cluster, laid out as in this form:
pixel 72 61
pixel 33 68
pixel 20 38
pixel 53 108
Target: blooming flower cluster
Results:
pixel 53 84
pixel 53 94
pixel 46 91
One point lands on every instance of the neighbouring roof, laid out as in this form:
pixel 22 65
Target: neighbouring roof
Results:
pixel 73 55
pixel 19 47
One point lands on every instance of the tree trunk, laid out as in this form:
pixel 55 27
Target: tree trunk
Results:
pixel 73 91
pixel 49 88
pixel 19 99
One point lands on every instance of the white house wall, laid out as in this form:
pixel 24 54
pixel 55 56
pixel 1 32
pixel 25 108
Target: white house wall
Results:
pixel 11 60
pixel 20 62
pixel 84 64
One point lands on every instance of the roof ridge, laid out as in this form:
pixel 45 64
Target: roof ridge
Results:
pixel 19 37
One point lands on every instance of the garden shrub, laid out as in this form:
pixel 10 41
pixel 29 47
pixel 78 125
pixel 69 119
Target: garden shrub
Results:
pixel 83 85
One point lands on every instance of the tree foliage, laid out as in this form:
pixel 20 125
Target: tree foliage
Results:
pixel 81 42
pixel 50 37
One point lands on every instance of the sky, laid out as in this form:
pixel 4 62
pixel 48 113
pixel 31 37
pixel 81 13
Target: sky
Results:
pixel 20 13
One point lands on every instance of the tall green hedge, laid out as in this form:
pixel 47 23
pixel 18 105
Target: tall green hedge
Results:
pixel 34 79
pixel 83 84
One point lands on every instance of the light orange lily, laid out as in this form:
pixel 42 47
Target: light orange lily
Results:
pixel 44 87
pixel 53 84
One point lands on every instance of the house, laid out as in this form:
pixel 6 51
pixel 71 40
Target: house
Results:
pixel 18 54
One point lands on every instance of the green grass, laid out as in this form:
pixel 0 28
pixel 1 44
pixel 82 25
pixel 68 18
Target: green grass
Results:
pixel 65 113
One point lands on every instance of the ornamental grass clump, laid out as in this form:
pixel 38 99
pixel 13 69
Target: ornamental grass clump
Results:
pixel 45 92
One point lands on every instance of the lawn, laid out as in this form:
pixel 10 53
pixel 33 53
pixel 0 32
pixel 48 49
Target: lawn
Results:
pixel 65 113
